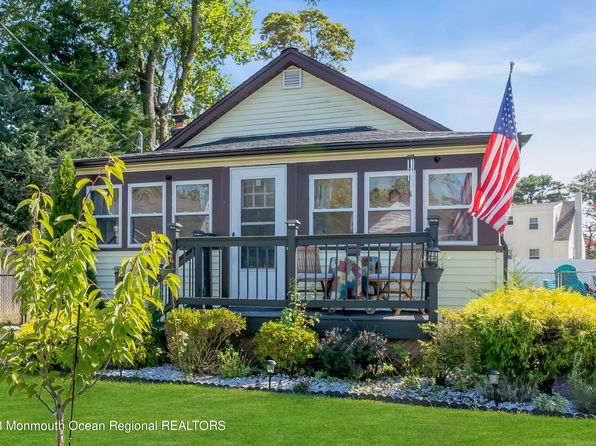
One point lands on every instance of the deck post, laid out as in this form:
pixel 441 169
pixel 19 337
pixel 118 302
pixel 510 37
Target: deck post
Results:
pixel 173 233
pixel 292 233
pixel 432 289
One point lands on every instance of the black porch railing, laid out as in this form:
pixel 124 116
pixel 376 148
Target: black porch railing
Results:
pixel 366 271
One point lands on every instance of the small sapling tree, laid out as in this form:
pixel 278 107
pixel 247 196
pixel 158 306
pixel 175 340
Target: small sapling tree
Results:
pixel 70 338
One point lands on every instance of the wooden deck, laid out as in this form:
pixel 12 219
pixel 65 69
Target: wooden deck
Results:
pixel 404 326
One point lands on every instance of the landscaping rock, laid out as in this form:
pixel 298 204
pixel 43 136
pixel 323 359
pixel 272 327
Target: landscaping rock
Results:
pixel 420 391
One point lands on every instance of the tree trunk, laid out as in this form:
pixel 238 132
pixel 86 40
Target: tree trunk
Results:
pixel 147 84
pixel 181 83
pixel 60 426
pixel 162 116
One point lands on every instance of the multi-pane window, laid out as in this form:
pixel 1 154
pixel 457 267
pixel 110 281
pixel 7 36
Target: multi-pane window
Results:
pixel 257 217
pixel 390 202
pixel 333 204
pixel 534 253
pixel 449 195
pixel 108 218
pixel 192 206
pixel 146 205
pixel 533 223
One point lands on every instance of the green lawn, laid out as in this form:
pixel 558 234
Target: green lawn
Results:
pixel 268 418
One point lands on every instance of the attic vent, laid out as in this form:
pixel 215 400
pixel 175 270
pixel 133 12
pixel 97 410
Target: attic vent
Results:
pixel 292 78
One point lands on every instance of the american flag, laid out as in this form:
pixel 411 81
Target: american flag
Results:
pixel 500 168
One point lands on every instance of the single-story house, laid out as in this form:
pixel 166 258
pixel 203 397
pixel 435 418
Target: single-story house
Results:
pixel 301 141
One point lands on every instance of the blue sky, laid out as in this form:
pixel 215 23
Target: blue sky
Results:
pixel 449 60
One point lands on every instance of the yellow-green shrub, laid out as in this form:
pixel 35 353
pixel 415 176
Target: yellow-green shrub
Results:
pixel 529 335
pixel 291 346
pixel 194 337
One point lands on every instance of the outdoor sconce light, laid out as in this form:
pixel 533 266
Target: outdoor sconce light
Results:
pixel 493 380
pixel 432 256
pixel 270 369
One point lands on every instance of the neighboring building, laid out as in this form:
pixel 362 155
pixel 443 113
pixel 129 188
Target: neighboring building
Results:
pixel 546 230
pixel 299 140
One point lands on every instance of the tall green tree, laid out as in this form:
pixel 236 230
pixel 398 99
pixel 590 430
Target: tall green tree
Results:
pixel 64 195
pixel 178 49
pixel 311 32
pixel 23 158
pixel 73 43
pixel 539 189
pixel 56 357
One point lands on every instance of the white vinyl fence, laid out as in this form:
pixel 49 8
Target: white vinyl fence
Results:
pixel 538 270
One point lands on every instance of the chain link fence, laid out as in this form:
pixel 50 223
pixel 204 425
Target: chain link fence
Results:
pixel 10 313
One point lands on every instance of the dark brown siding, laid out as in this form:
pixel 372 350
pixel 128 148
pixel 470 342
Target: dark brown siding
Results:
pixel 486 235
pixel 298 189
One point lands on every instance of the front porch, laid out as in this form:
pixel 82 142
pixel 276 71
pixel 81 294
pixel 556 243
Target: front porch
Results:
pixel 380 282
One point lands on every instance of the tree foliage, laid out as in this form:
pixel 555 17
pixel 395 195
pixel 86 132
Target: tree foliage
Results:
pixel 539 189
pixel 178 48
pixel 311 32
pixel 586 184
pixel 70 336
pixel 63 194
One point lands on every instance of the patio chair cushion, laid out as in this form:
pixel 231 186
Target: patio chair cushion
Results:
pixel 314 277
pixel 392 276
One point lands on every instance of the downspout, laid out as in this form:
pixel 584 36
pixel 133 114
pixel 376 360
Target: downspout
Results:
pixel 505 258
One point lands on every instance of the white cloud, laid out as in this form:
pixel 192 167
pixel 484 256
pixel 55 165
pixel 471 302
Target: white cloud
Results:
pixel 428 71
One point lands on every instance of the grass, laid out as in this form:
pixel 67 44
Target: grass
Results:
pixel 282 419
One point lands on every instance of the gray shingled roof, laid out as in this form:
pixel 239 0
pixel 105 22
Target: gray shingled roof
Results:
pixel 325 138
pixel 355 138
pixel 565 222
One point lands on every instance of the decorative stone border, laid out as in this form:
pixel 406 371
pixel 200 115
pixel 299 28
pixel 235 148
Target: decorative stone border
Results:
pixel 133 376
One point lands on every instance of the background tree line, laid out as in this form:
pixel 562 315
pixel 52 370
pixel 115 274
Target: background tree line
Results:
pixel 136 62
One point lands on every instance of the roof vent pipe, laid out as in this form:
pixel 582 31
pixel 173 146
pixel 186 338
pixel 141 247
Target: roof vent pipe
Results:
pixel 140 140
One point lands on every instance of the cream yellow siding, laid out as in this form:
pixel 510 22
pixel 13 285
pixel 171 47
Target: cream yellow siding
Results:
pixel 316 105
pixel 468 274
pixel 106 261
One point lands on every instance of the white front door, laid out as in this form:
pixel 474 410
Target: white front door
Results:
pixel 258 207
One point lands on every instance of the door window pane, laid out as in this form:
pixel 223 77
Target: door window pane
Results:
pixel 257 218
